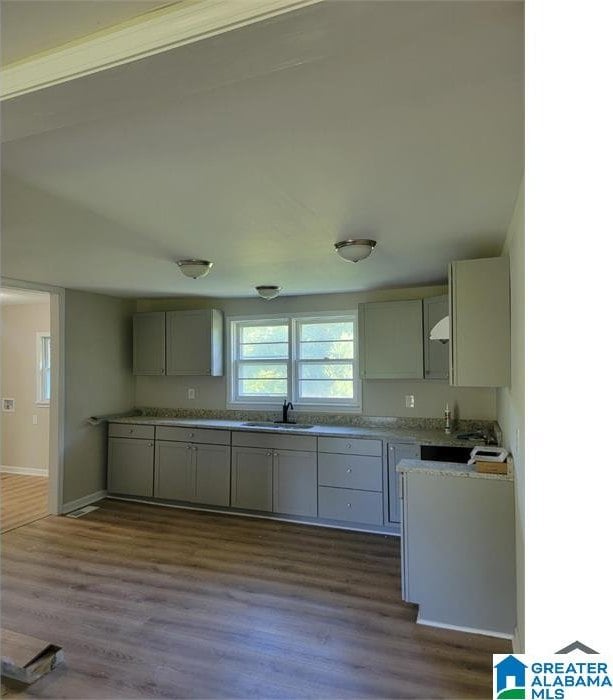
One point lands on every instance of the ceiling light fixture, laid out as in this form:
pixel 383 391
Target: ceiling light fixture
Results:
pixel 268 291
pixel 354 250
pixel 194 268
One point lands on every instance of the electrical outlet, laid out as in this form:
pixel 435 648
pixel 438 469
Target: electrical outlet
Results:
pixel 409 401
pixel 34 419
pixel 191 393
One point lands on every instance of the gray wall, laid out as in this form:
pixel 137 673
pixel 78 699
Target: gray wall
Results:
pixel 23 443
pixel 98 380
pixel 380 397
pixel 510 400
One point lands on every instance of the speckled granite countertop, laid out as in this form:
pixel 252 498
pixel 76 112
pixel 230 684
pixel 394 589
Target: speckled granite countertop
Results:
pixel 395 433
pixel 419 466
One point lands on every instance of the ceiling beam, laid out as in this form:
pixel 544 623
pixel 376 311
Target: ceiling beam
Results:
pixel 152 33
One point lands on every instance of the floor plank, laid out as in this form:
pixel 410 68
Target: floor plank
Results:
pixel 155 602
pixel 23 499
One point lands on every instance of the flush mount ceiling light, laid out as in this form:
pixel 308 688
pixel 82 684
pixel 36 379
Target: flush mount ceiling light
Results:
pixel 268 291
pixel 194 268
pixel 355 249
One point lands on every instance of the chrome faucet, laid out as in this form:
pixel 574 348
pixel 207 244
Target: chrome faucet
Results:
pixel 286 407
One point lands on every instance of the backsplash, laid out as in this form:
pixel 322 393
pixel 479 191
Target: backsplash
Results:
pixel 323 419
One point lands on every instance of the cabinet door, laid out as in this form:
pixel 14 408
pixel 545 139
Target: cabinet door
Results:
pixel 174 471
pixel 149 343
pixel 252 478
pixel 391 340
pixel 212 464
pixel 130 467
pixel 436 353
pixel 395 453
pixel 295 482
pixel 194 342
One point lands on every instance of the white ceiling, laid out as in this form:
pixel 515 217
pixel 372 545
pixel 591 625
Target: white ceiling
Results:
pixel 260 148
pixel 10 296
pixel 31 26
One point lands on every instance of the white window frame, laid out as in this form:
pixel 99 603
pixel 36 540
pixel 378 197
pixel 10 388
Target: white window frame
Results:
pixel 293 319
pixel 40 400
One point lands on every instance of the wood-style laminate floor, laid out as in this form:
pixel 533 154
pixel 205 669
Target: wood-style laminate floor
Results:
pixel 23 499
pixel 158 602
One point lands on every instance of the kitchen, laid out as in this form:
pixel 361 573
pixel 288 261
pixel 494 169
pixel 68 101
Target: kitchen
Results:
pixel 207 291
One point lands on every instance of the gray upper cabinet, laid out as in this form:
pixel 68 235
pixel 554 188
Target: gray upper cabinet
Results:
pixel 212 466
pixel 149 343
pixel 391 340
pixel 436 353
pixel 252 478
pixel 130 466
pixel 194 342
pixel 178 343
pixel 174 471
pixel 295 483
pixel 480 322
pixel 395 453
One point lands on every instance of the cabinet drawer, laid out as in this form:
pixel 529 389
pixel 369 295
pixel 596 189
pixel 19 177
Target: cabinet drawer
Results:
pixel 304 443
pixel 131 430
pixel 353 446
pixel 200 435
pixel 350 505
pixel 351 471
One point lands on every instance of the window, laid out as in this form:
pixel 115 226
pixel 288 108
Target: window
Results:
pixel 43 368
pixel 310 360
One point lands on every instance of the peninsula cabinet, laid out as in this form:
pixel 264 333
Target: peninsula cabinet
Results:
pixel 178 343
pixel 480 322
pixel 130 460
pixel 436 353
pixel 391 340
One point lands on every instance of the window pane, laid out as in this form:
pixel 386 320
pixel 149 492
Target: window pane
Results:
pixel 336 350
pixel 263 351
pixel 338 389
pixel 322 371
pixel 46 351
pixel 268 371
pixel 334 330
pixel 46 389
pixel 262 387
pixel 264 334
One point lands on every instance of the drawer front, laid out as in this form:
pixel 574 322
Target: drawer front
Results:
pixel 350 505
pixel 200 435
pixel 131 430
pixel 351 471
pixel 304 443
pixel 351 446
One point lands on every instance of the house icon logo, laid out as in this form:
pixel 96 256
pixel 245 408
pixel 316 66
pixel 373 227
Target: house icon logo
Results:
pixel 510 679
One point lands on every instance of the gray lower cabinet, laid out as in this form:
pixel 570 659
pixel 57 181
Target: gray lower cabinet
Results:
pixel 212 468
pixel 149 343
pixel 391 340
pixel 130 466
pixel 252 478
pixel 175 477
pixel 295 483
pixel 436 353
pixel 395 453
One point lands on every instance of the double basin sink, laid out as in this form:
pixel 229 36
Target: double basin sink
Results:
pixel 273 424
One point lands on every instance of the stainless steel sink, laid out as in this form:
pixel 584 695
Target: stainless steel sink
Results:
pixel 272 424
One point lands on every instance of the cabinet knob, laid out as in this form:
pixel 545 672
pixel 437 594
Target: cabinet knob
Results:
pixel 161 371
pixel 348 445
pixel 392 448
pixel 131 430
pixel 348 470
pixel 349 505
pixel 275 454
pixel 191 434
pixel 269 454
pixel 150 444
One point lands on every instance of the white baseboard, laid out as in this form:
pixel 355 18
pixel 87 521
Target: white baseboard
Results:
pixel 458 628
pixel 84 501
pixel 25 471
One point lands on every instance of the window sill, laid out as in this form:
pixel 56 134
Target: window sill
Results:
pixel 43 404
pixel 298 408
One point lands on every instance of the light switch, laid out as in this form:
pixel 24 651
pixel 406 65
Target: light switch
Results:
pixel 409 401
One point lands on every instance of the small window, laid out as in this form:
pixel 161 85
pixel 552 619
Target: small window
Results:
pixel 43 368
pixel 309 360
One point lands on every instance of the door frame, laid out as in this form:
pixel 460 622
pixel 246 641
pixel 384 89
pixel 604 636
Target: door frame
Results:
pixel 57 302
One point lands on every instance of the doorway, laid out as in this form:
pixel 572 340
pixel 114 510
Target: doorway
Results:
pixel 31 390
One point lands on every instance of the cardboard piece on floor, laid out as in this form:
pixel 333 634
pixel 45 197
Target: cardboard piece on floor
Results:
pixel 26 659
